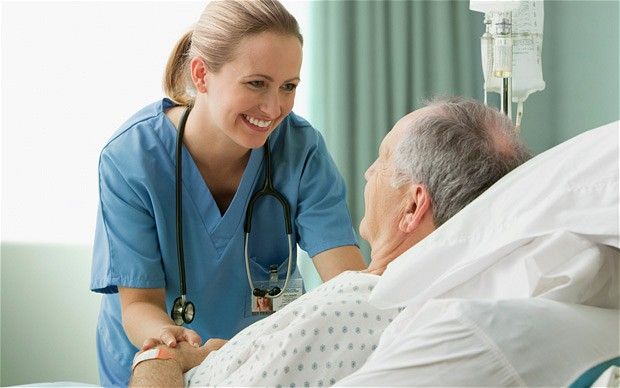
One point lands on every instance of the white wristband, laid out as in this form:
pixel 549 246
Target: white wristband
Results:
pixel 152 354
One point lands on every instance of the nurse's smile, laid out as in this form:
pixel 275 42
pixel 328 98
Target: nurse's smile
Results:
pixel 256 124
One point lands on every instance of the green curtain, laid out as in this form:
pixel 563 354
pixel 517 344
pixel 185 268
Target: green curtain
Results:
pixel 371 62
pixel 374 61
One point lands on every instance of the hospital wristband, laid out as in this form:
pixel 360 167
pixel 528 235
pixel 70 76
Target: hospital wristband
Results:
pixel 152 354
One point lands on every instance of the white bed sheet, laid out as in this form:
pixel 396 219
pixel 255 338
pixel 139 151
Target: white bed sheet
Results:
pixel 488 343
pixel 58 384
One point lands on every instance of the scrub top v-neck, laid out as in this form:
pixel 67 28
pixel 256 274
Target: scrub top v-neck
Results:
pixel 135 243
pixel 220 227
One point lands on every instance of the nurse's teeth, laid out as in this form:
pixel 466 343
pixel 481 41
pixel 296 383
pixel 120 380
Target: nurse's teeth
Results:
pixel 257 122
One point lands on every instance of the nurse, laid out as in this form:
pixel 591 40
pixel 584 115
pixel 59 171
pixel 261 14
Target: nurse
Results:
pixel 237 70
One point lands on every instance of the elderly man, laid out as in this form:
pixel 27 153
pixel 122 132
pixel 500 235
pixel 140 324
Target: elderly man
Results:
pixel 430 165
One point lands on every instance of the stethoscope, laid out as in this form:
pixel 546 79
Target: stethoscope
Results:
pixel 183 311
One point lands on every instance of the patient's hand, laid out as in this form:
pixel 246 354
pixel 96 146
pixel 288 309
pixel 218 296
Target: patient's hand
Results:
pixel 215 343
pixel 169 372
pixel 171 335
pixel 190 356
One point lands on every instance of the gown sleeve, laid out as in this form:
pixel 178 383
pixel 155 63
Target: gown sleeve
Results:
pixel 323 220
pixel 126 250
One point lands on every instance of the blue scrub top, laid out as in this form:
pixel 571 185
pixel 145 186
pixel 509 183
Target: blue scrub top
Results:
pixel 135 241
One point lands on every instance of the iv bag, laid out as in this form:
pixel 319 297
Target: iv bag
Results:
pixel 485 6
pixel 527 36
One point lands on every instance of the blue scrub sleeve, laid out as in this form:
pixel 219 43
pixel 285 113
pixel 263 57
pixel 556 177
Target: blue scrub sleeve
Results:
pixel 323 220
pixel 126 251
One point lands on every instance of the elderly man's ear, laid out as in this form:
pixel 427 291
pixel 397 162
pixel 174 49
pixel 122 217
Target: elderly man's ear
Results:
pixel 417 208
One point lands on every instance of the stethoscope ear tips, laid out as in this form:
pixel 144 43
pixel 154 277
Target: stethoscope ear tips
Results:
pixel 182 312
pixel 257 292
pixel 262 293
pixel 274 291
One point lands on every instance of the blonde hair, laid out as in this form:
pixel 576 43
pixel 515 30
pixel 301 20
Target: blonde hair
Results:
pixel 221 27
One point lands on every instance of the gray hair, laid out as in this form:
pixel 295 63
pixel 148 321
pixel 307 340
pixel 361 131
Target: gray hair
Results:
pixel 458 150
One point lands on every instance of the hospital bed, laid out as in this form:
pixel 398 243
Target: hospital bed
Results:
pixel 548 230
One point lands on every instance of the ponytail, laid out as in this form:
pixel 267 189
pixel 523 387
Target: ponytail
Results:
pixel 215 37
pixel 176 76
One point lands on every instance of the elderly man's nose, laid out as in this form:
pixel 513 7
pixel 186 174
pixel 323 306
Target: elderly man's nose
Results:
pixel 369 171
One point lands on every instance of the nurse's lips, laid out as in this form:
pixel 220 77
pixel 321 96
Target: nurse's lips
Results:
pixel 256 124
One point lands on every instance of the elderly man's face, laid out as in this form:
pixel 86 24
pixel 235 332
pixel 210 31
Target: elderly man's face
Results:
pixel 384 204
pixel 381 199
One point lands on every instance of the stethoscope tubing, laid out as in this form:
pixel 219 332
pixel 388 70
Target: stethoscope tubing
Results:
pixel 268 190
pixel 183 311
pixel 288 269
pixel 179 204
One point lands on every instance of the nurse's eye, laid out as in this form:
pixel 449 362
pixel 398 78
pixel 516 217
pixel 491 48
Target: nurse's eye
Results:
pixel 289 87
pixel 257 84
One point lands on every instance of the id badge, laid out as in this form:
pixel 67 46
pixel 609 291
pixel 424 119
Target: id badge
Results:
pixel 265 306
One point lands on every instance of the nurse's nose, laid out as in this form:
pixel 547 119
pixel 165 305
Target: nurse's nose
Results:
pixel 271 104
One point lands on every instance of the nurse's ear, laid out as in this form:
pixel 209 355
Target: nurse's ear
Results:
pixel 199 71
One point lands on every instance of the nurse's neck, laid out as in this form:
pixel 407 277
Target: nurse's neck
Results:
pixel 221 162
pixel 209 147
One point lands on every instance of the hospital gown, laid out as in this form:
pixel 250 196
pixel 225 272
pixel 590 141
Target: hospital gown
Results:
pixel 318 339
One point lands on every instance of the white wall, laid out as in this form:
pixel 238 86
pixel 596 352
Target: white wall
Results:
pixel 71 73
pixel 49 317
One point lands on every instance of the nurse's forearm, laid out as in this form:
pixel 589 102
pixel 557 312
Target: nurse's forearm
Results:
pixel 143 321
pixel 334 261
pixel 144 314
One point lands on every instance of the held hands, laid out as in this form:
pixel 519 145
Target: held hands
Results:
pixel 188 356
pixel 171 335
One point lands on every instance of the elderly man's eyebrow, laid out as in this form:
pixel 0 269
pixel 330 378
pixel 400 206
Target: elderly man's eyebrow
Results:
pixel 384 151
pixel 381 150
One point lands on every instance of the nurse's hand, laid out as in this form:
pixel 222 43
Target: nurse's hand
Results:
pixel 171 335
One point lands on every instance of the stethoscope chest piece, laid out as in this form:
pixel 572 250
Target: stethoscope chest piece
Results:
pixel 182 311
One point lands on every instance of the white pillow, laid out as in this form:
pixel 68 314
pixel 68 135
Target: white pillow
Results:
pixel 550 227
